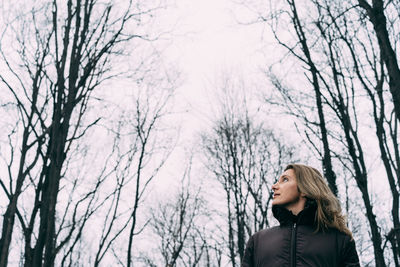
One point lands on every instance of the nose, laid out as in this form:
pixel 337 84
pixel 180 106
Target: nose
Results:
pixel 274 186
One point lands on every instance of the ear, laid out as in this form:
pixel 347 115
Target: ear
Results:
pixel 302 195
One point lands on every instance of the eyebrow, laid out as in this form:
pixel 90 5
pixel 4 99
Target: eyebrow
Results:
pixel 283 176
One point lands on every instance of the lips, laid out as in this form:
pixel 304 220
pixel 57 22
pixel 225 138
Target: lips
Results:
pixel 275 195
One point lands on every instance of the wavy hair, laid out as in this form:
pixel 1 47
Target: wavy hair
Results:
pixel 311 183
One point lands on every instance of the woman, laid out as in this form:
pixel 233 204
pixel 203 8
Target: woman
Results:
pixel 312 230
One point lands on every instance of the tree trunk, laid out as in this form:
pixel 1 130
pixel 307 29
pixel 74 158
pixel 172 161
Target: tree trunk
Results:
pixel 376 14
pixel 326 157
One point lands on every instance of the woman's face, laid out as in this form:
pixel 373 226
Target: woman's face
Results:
pixel 286 192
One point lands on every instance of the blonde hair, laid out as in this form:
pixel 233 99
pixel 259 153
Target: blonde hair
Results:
pixel 311 183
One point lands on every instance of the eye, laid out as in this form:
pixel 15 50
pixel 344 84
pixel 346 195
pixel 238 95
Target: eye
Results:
pixel 285 179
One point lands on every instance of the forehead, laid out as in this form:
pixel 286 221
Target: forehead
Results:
pixel 289 173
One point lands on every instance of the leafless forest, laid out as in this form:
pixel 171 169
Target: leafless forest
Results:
pixel 87 105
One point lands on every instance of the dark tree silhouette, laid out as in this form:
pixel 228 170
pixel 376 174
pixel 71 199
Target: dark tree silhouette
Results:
pixel 60 53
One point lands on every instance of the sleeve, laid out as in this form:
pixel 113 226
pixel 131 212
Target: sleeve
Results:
pixel 349 254
pixel 248 257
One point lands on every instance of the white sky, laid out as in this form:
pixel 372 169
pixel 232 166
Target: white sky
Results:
pixel 211 42
pixel 207 42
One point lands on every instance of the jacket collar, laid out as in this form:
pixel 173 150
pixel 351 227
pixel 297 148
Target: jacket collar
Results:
pixel 305 217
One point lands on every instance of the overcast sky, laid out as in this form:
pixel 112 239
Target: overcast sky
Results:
pixel 210 41
pixel 207 41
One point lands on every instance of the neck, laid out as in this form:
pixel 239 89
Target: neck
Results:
pixel 298 206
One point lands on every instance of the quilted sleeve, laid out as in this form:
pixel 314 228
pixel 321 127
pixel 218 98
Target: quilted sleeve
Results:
pixel 349 254
pixel 248 257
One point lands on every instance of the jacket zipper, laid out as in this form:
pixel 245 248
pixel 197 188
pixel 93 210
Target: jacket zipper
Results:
pixel 293 246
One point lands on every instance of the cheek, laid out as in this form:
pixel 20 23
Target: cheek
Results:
pixel 293 192
pixel 289 192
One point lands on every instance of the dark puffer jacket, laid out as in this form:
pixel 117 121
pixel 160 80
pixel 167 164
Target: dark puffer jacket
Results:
pixel 294 243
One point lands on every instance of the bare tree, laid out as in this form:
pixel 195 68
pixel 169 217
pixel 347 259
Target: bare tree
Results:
pixel 379 14
pixel 143 145
pixel 383 112
pixel 245 157
pixel 343 61
pixel 180 226
pixel 63 53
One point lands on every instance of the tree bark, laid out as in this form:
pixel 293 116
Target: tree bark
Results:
pixel 376 14
pixel 326 158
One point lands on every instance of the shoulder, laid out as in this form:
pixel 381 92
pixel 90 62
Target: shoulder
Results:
pixel 343 238
pixel 268 235
pixel 347 242
pixel 347 249
pixel 267 231
pixel 260 245
pixel 349 255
